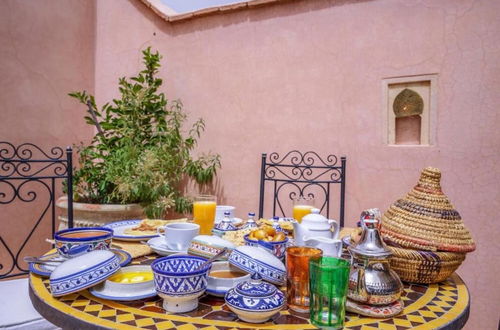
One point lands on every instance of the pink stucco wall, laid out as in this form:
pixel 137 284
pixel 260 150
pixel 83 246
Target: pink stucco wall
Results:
pixel 46 51
pixel 301 75
pixel 308 75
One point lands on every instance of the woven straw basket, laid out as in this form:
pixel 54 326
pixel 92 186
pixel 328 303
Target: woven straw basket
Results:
pixel 426 220
pixel 424 266
pixel 425 233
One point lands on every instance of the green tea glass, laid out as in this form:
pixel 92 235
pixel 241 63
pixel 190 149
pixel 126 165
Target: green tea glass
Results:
pixel 328 280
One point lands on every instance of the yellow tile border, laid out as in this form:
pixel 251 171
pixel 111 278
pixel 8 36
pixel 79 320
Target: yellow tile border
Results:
pixel 40 290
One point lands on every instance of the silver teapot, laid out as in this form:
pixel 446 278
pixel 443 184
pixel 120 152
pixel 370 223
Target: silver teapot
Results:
pixel 371 280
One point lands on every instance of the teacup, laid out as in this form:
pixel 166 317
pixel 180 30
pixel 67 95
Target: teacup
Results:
pixel 219 212
pixel 178 236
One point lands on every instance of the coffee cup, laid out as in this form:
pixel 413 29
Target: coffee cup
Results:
pixel 178 236
pixel 221 209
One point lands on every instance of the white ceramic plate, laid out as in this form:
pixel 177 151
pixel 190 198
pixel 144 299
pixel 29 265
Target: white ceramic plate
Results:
pixel 47 269
pixel 100 292
pixel 159 246
pixel 119 228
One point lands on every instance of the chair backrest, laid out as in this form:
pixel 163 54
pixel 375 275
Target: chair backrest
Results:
pixel 302 175
pixel 27 171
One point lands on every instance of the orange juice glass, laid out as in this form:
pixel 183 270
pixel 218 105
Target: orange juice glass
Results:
pixel 204 213
pixel 301 207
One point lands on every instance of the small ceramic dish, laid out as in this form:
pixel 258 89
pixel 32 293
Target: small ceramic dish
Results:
pixel 179 281
pixel 277 248
pixel 217 284
pixel 82 272
pixel 159 246
pixel 251 259
pixel 255 301
pixel 77 241
pixel 129 283
pixel 55 260
pixel 207 246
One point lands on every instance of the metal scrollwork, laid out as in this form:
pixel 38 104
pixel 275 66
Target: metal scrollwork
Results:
pixel 301 172
pixel 26 174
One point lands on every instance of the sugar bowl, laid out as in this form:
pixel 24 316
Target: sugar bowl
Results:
pixel 255 301
pixel 371 280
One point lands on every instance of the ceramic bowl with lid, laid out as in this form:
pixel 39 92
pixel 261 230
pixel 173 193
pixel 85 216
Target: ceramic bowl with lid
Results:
pixel 253 259
pixel 224 276
pixel 207 246
pixel 77 241
pixel 179 281
pixel 83 272
pixel 255 301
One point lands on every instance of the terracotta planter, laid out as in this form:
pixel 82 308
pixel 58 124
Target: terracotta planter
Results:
pixel 95 215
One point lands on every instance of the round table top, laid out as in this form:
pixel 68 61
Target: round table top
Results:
pixel 444 305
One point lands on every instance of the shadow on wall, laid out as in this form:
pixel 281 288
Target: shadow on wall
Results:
pixel 253 14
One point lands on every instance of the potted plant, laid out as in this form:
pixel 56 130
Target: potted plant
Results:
pixel 140 153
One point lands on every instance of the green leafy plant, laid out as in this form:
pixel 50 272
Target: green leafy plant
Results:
pixel 140 153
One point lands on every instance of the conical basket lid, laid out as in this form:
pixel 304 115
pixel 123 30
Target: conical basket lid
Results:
pixel 426 220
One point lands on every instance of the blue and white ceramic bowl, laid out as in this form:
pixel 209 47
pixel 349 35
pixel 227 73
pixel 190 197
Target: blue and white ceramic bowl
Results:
pixel 83 272
pixel 179 282
pixel 255 301
pixel 77 241
pixel 276 248
pixel 218 286
pixel 251 259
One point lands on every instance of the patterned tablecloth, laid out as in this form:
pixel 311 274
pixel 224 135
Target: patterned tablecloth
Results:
pixel 444 305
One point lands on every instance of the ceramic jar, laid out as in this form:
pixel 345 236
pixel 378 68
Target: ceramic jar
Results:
pixel 255 301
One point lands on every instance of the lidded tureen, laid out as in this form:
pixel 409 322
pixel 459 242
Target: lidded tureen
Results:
pixel 371 280
pixel 255 301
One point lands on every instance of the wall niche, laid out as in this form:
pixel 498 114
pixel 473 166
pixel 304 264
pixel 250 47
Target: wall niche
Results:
pixel 409 110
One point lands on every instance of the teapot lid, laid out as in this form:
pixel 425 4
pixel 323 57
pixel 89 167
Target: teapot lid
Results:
pixel 255 288
pixel 371 243
pixel 314 216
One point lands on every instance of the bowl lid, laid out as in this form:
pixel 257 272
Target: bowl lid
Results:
pixel 253 259
pixel 82 263
pixel 213 240
pixel 83 272
pixel 255 288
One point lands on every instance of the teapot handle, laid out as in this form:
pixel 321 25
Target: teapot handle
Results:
pixel 336 228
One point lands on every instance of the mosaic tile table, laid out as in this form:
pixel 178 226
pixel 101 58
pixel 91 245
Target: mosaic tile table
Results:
pixel 437 306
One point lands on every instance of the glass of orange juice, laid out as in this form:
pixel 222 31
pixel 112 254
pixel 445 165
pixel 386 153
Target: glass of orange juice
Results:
pixel 204 213
pixel 302 206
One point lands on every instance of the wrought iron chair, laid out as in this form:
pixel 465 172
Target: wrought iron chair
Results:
pixel 28 174
pixel 302 175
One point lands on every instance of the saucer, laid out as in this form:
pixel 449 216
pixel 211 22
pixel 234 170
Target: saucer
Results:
pixel 159 246
pixel 47 269
pixel 99 292
pixel 375 311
